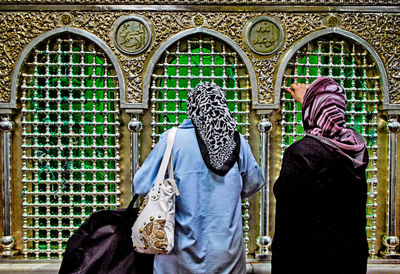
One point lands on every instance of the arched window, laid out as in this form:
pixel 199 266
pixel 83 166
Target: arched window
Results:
pixel 70 139
pixel 192 57
pixel 352 66
pixel 185 64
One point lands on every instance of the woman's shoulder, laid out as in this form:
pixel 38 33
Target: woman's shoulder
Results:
pixel 306 141
pixel 309 147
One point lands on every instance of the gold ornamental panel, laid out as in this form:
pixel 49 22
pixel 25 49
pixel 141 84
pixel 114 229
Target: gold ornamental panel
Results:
pixel 381 30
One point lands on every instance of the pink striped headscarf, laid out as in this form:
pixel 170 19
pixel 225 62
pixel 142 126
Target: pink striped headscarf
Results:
pixel 323 111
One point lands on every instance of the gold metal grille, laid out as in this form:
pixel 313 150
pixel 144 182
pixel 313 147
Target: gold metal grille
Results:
pixel 182 67
pixel 70 106
pixel 351 66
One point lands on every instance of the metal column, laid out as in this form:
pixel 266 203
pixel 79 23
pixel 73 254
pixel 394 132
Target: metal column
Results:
pixel 7 240
pixel 391 240
pixel 264 240
pixel 134 127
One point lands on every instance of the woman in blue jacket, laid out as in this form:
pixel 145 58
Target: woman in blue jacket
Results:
pixel 214 169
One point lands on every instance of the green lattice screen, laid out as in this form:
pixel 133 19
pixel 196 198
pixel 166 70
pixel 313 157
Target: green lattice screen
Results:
pixel 70 106
pixel 182 67
pixel 351 66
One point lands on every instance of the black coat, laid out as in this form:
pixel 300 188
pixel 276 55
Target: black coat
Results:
pixel 320 212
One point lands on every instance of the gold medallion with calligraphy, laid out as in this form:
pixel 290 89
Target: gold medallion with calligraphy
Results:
pixel 264 35
pixel 132 35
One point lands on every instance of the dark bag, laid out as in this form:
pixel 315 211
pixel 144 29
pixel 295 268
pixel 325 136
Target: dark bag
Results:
pixel 103 244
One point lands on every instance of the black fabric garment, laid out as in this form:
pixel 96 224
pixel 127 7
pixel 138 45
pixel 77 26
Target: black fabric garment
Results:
pixel 320 212
pixel 103 244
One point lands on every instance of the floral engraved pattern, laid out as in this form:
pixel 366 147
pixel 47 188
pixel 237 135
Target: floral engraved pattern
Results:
pixel 382 32
pixel 18 29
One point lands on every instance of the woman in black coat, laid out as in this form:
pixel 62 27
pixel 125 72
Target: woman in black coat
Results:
pixel 321 191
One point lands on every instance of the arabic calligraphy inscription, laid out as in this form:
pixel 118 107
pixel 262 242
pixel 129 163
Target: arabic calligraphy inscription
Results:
pixel 264 35
pixel 133 35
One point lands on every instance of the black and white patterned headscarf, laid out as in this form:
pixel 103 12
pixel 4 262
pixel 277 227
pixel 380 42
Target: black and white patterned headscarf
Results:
pixel 216 133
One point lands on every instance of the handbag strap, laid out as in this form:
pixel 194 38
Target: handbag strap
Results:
pixel 167 159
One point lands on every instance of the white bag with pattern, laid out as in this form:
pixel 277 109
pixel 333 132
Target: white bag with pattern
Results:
pixel 153 231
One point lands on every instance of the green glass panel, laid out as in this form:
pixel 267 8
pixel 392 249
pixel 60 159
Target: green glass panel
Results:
pixel 43 246
pixel 183 83
pixel 64 210
pixel 88 176
pixel 183 59
pixel 100 153
pixel 111 188
pixel 88 94
pixel 88 105
pixel 289 117
pixel 111 141
pixel 183 71
pixel 54 246
pixel 76 152
pixel 100 71
pixel 77 176
pixel 299 129
pixel 99 199
pixel 219 82
pixel 195 71
pixel 88 82
pixel 289 106
pixel 77 222
pixel 289 128
pixel 171 106
pixel 88 211
pixel 76 82
pixel 100 118
pixel 111 199
pixel 77 211
pixel 100 176
pixel 288 140
pixel 171 83
pixel 313 71
pixel 76 106
pixel 76 199
pixel 195 82
pixel 99 141
pixel 111 176
pixel 99 82
pixel 230 95
pixel 65 234
pixel 111 164
pixel 42 222
pixel 231 106
pixel 88 59
pixel 66 223
pixel 100 130
pixel 88 129
pixel 99 105
pixel 171 71
pixel 88 188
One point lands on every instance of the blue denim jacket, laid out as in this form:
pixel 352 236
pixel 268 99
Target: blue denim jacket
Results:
pixel 208 221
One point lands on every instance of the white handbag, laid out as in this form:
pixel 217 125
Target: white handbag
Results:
pixel 153 231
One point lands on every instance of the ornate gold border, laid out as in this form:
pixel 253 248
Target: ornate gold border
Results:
pixel 380 30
